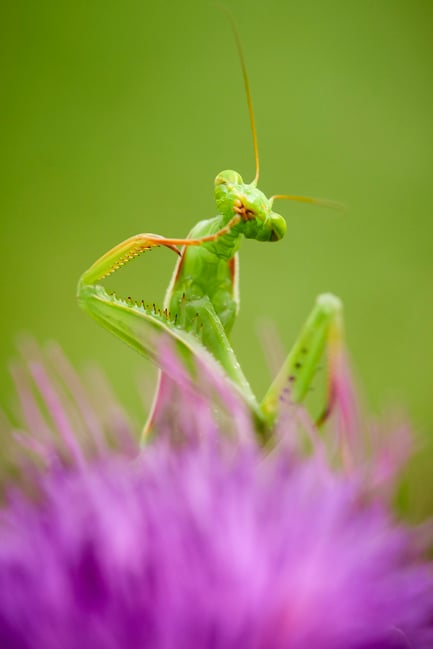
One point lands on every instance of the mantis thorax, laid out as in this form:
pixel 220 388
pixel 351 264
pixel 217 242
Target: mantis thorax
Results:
pixel 257 219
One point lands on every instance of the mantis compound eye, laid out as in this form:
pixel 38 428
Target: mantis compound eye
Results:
pixel 228 177
pixel 278 225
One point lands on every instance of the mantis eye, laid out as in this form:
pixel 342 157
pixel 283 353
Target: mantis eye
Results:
pixel 228 177
pixel 278 226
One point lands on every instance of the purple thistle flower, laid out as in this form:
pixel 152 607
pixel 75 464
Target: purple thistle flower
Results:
pixel 208 544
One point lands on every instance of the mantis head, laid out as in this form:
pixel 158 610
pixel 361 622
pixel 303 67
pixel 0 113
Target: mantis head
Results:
pixel 257 219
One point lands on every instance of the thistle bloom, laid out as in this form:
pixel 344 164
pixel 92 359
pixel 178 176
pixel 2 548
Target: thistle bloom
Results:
pixel 207 543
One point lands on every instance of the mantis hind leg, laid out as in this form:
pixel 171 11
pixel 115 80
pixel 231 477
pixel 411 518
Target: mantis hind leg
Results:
pixel 322 331
pixel 163 413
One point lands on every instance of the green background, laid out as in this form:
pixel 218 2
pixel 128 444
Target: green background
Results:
pixel 116 117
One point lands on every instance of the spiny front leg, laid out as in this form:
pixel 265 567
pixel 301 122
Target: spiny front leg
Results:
pixel 146 328
pixel 323 330
pixel 138 324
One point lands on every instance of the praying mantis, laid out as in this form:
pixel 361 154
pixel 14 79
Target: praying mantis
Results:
pixel 202 299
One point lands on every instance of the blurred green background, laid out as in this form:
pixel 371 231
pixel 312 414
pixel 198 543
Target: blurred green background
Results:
pixel 116 117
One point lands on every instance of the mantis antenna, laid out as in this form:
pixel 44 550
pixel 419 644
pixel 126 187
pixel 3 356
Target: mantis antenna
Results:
pixel 333 205
pixel 247 91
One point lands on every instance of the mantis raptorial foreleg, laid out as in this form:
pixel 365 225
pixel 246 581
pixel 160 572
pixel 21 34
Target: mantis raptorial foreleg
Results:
pixel 192 322
pixel 202 299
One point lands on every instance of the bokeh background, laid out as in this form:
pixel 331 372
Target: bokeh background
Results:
pixel 116 117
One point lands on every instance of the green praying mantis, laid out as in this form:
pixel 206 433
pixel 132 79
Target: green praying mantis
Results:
pixel 202 299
